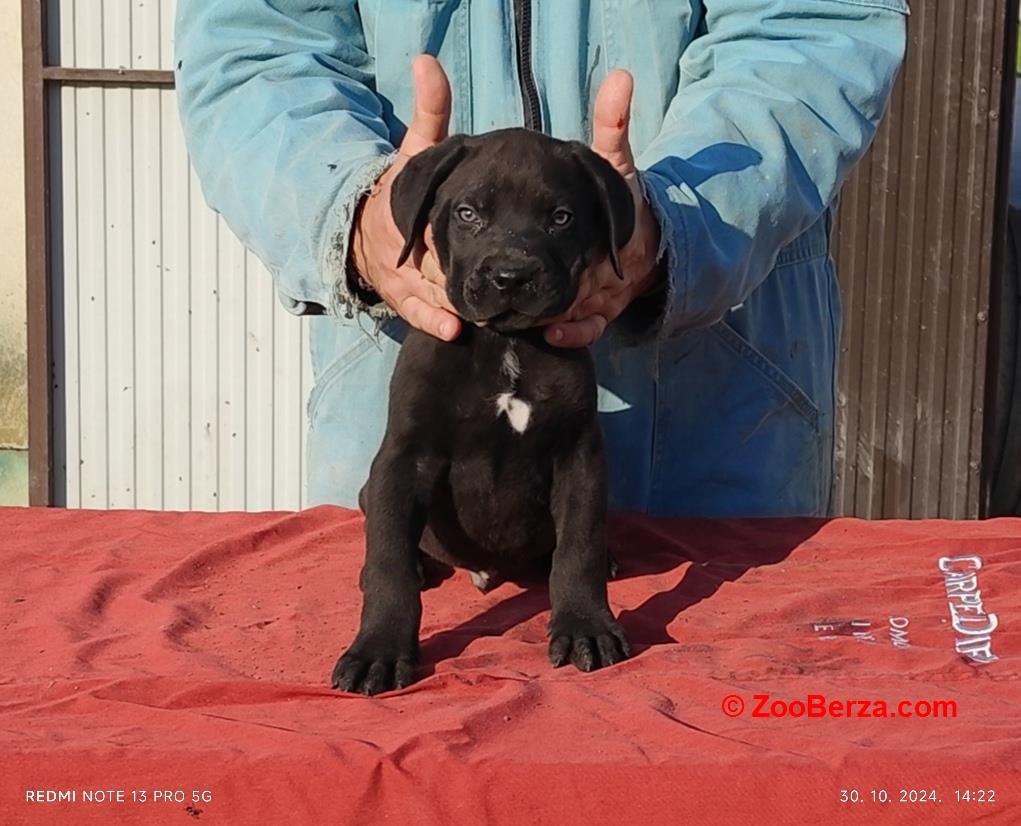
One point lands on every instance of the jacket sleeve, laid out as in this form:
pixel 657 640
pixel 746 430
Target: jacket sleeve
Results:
pixel 776 102
pixel 285 132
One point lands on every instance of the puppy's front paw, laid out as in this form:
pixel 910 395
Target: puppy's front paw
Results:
pixel 368 668
pixel 587 642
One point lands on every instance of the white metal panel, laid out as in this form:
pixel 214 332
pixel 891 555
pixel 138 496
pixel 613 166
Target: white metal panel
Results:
pixel 146 18
pixel 182 379
pixel 147 161
pixel 148 280
pixel 204 336
pixel 289 392
pixel 258 392
pixel 120 300
pixel 231 351
pixel 166 34
pixel 306 391
pixel 92 328
pixel 120 243
pixel 150 24
pixel 174 210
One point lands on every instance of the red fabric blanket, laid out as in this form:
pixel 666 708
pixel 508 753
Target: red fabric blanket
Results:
pixel 158 667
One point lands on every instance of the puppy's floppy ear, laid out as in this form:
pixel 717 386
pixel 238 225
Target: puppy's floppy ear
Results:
pixel 615 201
pixel 414 191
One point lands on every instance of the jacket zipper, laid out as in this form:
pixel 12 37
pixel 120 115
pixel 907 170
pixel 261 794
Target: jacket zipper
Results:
pixel 526 80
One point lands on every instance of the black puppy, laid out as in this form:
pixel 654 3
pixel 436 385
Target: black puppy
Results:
pixel 493 455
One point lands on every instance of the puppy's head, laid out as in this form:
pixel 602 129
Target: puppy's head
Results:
pixel 516 217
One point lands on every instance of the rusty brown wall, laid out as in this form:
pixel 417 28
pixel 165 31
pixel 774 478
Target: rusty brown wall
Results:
pixel 914 249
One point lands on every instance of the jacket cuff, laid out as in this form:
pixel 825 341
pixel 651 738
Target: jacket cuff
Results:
pixel 347 294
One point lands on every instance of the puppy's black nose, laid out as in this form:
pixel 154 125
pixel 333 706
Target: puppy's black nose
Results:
pixel 509 279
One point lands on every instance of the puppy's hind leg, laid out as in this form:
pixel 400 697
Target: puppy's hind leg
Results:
pixel 432 572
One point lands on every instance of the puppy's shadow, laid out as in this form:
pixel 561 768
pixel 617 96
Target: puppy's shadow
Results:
pixel 711 554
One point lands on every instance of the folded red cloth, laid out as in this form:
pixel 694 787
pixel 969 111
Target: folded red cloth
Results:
pixel 785 671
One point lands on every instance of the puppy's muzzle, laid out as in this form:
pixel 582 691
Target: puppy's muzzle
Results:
pixel 502 280
pixel 509 279
pixel 520 284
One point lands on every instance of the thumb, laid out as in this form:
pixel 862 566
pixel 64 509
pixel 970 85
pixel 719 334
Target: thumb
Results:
pixel 432 106
pixel 610 121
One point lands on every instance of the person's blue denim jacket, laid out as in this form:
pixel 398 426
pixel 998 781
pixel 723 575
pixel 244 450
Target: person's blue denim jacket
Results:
pixel 748 115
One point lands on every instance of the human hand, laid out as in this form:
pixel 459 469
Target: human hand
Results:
pixel 602 295
pixel 417 289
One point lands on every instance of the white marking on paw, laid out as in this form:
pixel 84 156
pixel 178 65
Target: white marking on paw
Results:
pixel 516 410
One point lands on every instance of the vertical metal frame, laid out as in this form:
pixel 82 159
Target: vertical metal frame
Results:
pixel 37 250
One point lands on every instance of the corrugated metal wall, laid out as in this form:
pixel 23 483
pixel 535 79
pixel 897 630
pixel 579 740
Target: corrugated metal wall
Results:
pixel 181 381
pixel 915 246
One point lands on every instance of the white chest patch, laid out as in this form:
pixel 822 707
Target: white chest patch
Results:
pixel 517 411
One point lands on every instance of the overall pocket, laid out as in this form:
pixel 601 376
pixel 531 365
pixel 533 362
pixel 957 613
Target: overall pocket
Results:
pixel 735 435
pixel 348 355
pixel 797 397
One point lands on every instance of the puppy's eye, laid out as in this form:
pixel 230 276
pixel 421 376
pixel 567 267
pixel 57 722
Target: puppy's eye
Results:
pixel 562 217
pixel 467 214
